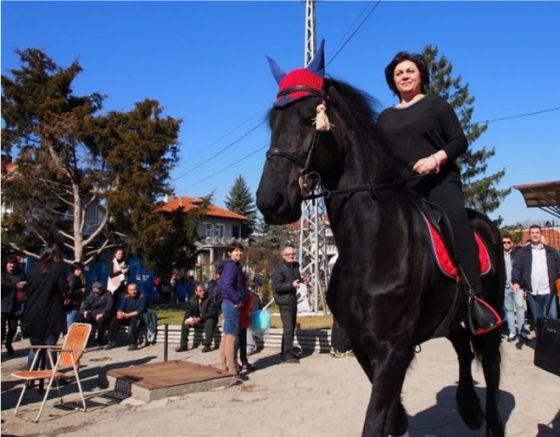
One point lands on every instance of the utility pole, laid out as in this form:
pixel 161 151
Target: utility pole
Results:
pixel 313 243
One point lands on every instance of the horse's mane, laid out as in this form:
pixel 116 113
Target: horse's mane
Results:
pixel 362 106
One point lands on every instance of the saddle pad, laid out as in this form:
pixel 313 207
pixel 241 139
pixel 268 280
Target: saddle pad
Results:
pixel 444 260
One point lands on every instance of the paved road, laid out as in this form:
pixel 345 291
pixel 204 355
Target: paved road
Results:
pixel 322 396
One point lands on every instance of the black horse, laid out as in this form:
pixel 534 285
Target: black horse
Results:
pixel 385 289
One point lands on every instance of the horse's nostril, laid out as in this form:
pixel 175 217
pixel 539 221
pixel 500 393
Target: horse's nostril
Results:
pixel 269 204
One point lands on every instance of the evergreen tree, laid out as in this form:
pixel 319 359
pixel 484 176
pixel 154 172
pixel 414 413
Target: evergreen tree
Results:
pixel 241 201
pixel 170 243
pixel 481 191
pixel 71 161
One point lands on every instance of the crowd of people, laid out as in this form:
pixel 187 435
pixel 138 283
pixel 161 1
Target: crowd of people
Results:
pixel 532 272
pixel 48 301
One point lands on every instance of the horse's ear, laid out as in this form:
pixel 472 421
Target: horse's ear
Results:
pixel 276 70
pixel 317 64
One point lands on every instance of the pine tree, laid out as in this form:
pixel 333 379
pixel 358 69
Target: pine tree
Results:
pixel 241 201
pixel 70 159
pixel 481 192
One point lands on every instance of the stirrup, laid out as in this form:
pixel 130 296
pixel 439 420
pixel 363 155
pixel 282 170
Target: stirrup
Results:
pixel 481 317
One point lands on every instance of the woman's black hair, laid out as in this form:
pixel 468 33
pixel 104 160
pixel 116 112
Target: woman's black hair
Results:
pixel 13 260
pixel 234 245
pixel 412 57
pixel 50 256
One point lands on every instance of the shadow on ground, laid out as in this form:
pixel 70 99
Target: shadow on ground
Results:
pixel 91 376
pixel 550 429
pixel 443 419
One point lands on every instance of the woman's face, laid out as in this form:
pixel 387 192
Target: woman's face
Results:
pixel 407 79
pixel 236 254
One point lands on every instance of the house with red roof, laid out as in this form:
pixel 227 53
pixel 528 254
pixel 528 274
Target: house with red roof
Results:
pixel 217 228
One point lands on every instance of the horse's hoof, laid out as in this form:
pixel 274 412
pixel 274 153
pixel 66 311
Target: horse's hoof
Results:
pixel 469 408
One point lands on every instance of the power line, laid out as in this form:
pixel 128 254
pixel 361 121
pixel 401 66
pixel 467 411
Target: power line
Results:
pixel 223 149
pixel 343 45
pixel 254 152
pixel 527 114
pixel 354 32
pixel 234 129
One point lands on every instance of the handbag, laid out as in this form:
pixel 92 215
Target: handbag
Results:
pixel 547 349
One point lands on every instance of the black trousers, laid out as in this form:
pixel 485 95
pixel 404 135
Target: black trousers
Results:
pixel 9 327
pixel 449 196
pixel 99 326
pixel 208 326
pixel 288 315
pixel 133 323
pixel 242 345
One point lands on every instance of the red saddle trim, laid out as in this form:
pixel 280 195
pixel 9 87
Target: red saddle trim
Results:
pixel 444 260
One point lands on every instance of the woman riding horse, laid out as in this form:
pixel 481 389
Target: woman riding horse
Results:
pixel 425 131
pixel 386 289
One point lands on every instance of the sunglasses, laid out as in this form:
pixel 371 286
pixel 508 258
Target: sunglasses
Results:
pixel 507 242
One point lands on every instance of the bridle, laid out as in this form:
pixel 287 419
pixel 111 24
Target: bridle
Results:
pixel 309 180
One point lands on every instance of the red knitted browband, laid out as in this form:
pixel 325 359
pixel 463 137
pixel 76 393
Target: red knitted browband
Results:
pixel 298 78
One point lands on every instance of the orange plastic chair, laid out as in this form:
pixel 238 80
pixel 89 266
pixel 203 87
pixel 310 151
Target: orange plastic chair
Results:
pixel 69 356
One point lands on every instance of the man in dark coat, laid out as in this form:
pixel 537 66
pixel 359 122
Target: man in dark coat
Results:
pixel 286 279
pixel 76 292
pixel 11 281
pixel 97 310
pixel 202 311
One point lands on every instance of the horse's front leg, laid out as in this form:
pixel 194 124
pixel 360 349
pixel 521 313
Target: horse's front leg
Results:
pixel 488 346
pixel 468 403
pixel 384 405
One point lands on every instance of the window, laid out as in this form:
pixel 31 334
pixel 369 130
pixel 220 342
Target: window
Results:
pixel 236 231
pixel 208 228
pixel 219 229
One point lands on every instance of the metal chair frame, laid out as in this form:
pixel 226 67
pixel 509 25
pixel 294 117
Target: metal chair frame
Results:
pixel 69 357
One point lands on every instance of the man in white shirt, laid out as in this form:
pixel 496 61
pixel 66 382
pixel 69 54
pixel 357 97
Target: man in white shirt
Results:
pixel 535 270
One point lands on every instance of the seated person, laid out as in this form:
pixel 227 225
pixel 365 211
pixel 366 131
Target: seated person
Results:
pixel 97 309
pixel 129 312
pixel 202 311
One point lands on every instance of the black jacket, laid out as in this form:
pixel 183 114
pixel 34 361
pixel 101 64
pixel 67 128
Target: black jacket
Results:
pixel 44 312
pixel 75 292
pixel 9 281
pixel 282 278
pixel 101 304
pixel 522 264
pixel 208 308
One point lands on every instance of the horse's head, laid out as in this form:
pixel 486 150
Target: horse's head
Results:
pixel 299 155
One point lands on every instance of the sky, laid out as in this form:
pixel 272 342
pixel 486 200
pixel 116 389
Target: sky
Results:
pixel 205 63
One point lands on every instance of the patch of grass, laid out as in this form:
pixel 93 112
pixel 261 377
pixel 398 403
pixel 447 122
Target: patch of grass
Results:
pixel 173 315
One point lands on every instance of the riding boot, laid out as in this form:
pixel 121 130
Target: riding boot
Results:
pixel 481 317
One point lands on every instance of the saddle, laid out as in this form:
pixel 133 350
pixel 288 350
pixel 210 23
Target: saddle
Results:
pixel 443 244
pixel 482 317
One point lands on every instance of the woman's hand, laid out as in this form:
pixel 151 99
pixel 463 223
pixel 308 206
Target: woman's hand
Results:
pixel 431 164
pixel 426 166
